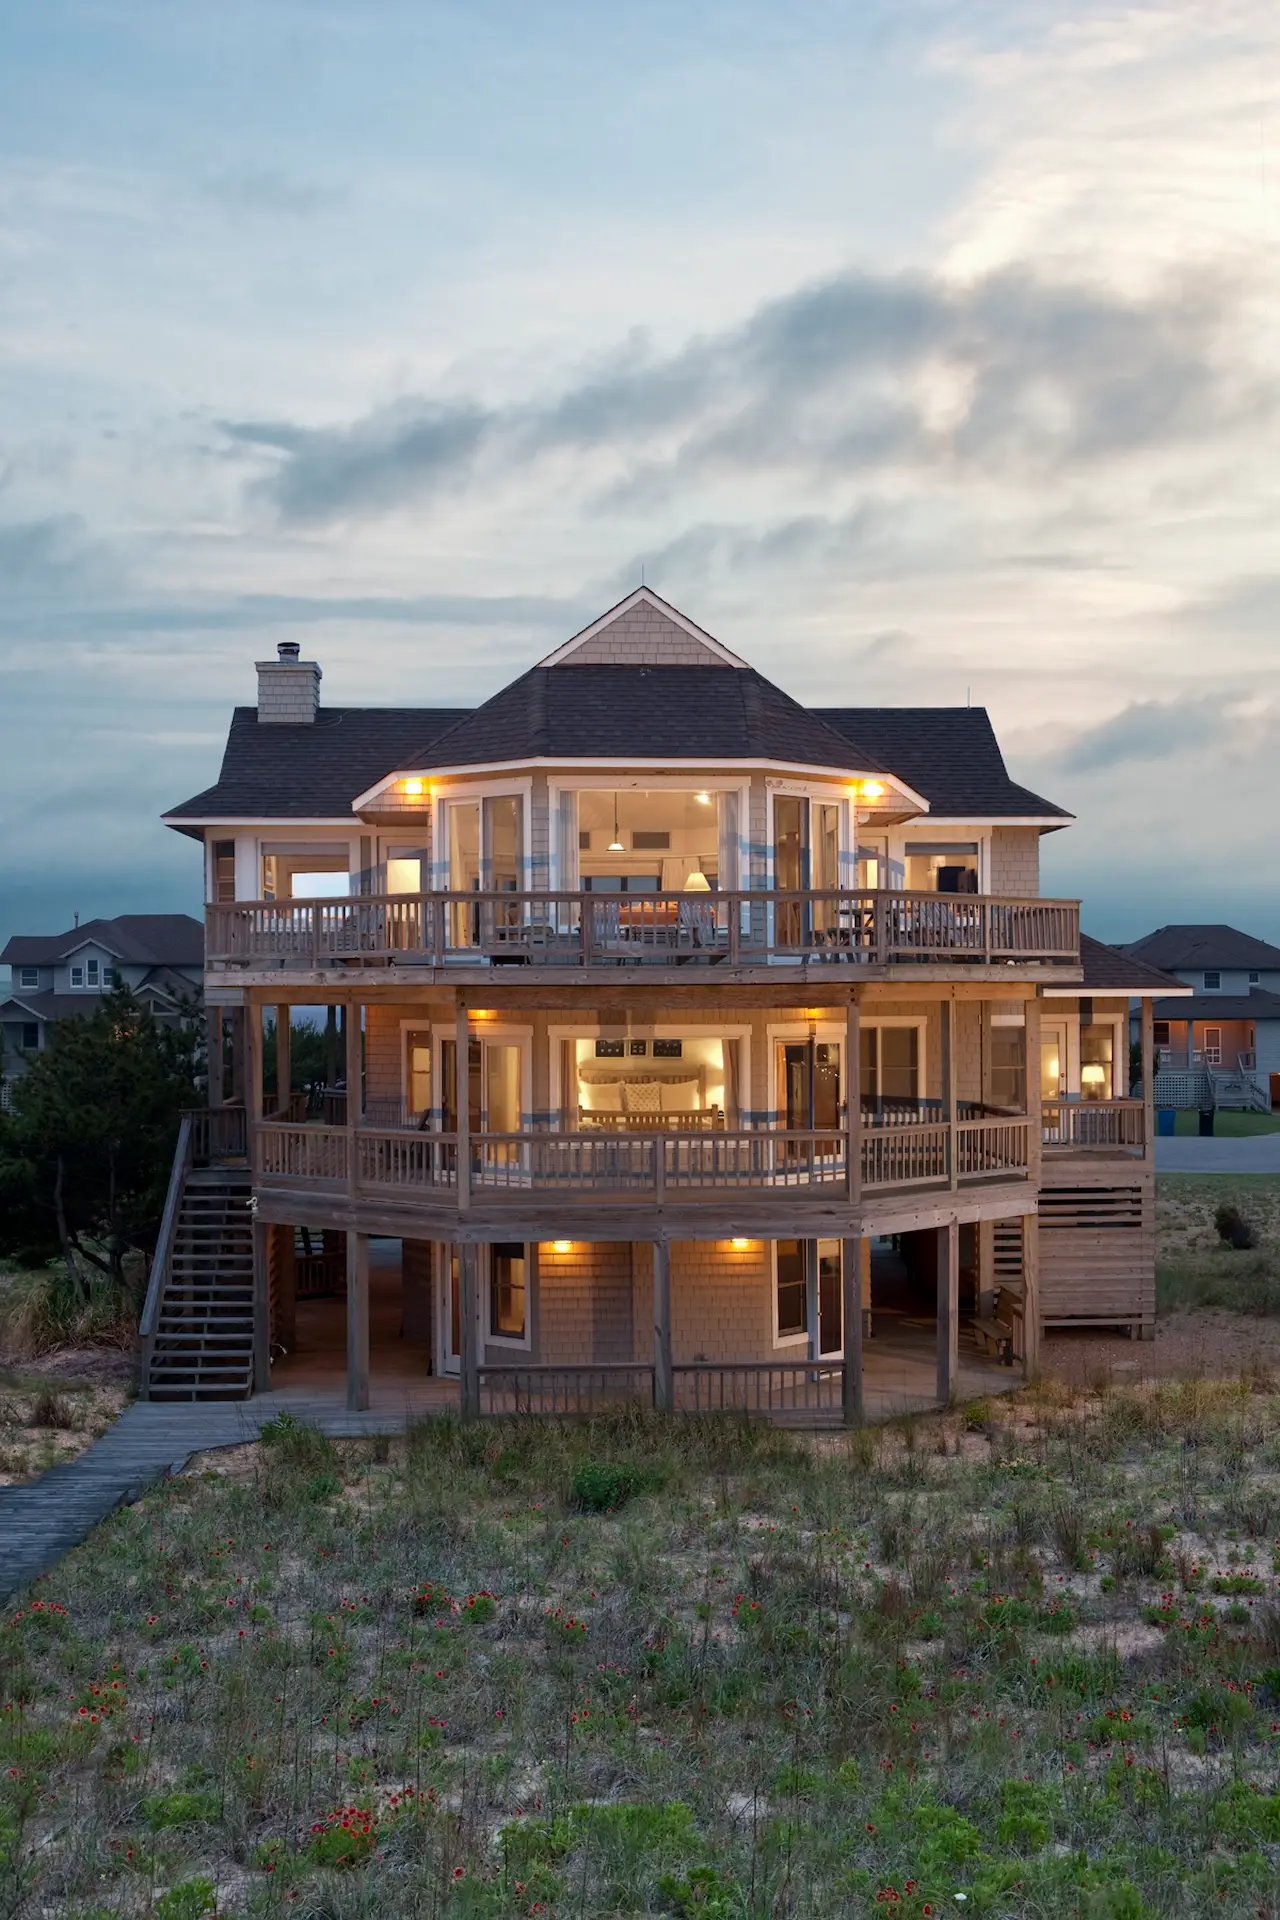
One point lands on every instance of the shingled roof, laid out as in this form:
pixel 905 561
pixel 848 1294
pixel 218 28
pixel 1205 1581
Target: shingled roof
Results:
pixel 1257 1004
pixel 570 712
pixel 948 754
pixel 312 771
pixel 140 939
pixel 1220 947
pixel 1112 970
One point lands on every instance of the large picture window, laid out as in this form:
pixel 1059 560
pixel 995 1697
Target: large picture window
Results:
pixel 789 1289
pixel 949 866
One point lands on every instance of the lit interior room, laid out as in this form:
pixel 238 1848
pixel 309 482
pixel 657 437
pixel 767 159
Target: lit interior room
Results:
pixel 628 1085
pixel 649 842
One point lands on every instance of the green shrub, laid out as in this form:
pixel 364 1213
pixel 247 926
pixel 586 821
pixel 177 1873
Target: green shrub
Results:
pixel 602 1486
pixel 298 1444
pixel 1233 1229
pixel 180 1809
pixel 190 1900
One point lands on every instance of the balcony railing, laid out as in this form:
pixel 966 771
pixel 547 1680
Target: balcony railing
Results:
pixel 504 1167
pixel 1117 1126
pixel 839 927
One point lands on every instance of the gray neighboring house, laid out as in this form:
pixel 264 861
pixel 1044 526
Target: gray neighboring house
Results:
pixel 1230 1026
pixel 58 976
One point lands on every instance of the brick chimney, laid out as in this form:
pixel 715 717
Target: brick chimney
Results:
pixel 288 688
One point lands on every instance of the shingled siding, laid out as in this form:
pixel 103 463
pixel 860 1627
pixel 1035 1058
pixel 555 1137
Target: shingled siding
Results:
pixel 642 637
pixel 584 1306
pixel 1015 861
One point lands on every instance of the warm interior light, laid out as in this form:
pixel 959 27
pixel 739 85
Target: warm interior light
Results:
pixel 414 787
pixel 697 883
pixel 739 1246
pixel 704 799
pixel 615 845
pixel 873 789
pixel 1092 1075
pixel 561 1246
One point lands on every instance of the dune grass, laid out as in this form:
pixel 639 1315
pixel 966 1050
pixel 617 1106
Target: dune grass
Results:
pixel 1019 1660
pixel 1193 1268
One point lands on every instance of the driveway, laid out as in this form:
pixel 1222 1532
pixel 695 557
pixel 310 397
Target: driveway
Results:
pixel 1259 1153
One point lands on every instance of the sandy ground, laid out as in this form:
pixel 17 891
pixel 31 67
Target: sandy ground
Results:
pixel 1212 1343
pixel 51 1409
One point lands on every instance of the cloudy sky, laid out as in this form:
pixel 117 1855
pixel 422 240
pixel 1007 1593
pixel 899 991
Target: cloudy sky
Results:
pixel 916 349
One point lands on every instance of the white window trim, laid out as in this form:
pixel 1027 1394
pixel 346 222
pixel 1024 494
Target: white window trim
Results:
pixel 28 977
pixel 427 1026
pixel 650 1030
pixel 477 1030
pixel 648 783
pixel 827 1031
pixel 936 834
pixel 77 986
pixel 472 795
pixel 784 1342
pixel 518 1343
pixel 284 841
pixel 817 794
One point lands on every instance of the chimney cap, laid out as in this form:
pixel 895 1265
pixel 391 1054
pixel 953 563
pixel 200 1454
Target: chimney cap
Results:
pixel 288 651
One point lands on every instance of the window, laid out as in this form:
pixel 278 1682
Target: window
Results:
pixel 77 976
pixel 507 1290
pixel 92 974
pixel 890 1068
pixel 418 1071
pixel 789 1290
pixel 1213 1046
pixel 222 860
pixel 1160 1033
pixel 30 1036
pixel 28 976
pixel 943 867
pixel 1097 1062
pixel 1008 1064
pixel 1254 977
pixel 1212 982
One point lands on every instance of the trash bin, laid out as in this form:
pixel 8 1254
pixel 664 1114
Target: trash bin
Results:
pixel 1206 1123
pixel 1164 1120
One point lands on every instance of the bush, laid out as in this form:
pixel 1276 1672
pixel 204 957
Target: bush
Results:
pixel 296 1443
pixel 602 1486
pixel 43 1309
pixel 48 1410
pixel 1233 1229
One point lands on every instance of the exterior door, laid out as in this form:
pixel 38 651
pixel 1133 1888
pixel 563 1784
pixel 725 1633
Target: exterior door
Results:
pixel 830 1298
pixel 450 1346
pixel 1053 1060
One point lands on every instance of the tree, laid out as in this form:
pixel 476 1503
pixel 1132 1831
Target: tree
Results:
pixel 86 1151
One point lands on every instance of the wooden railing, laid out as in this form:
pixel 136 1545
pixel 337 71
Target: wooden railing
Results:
pixel 516 1388
pixel 763 1387
pixel 162 1259
pixel 648 1166
pixel 218 1134
pixel 837 926
pixel 1117 1125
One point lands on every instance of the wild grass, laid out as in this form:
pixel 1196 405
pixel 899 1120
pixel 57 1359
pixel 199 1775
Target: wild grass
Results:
pixel 689 1668
pixel 41 1310
pixel 1195 1269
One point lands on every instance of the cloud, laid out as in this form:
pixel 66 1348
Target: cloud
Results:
pixel 1149 730
pixel 268 191
pixel 50 558
pixel 1012 376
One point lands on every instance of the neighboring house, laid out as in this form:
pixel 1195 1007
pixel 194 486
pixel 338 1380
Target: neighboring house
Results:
pixel 1230 1028
pixel 63 975
pixel 698 1046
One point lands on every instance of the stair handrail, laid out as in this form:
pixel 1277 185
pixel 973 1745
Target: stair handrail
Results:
pixel 163 1257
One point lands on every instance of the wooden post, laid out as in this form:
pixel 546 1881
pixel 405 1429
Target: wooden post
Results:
pixel 462 1099
pixel 851 1326
pixel 236 1022
pixel 1030 1295
pixel 357 1321
pixel 252 1033
pixel 664 1397
pixel 287 1288
pixel 261 1307
pixel 986 1234
pixel 1148 1078
pixel 853 1099
pixel 1035 1104
pixel 949 1088
pixel 812 1303
pixel 217 1091
pixel 468 1282
pixel 948 1310
pixel 355 1100
pixel 284 1058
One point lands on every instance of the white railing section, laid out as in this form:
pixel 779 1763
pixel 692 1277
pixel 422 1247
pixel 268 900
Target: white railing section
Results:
pixel 1116 1124
pixel 836 926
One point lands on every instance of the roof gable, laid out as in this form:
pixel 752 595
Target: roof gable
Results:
pixel 642 631
pixel 141 939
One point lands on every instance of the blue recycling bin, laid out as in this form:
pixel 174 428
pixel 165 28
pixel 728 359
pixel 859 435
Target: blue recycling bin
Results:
pixel 1165 1118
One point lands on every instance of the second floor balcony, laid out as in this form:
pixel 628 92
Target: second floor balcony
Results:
pixel 584 931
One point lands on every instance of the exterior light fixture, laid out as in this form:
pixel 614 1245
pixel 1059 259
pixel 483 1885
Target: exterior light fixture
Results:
pixel 561 1246
pixel 873 789
pixel 739 1246
pixel 413 787
pixel 615 845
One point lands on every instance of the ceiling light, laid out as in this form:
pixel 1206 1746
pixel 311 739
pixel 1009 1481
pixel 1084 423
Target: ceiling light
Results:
pixel 704 799
pixel 413 786
pixel 561 1246
pixel 615 845
pixel 739 1246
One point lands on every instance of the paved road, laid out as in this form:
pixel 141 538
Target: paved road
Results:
pixel 1259 1153
pixel 42 1520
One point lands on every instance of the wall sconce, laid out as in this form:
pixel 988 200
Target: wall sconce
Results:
pixel 413 788
pixel 873 789
pixel 739 1246
pixel 562 1246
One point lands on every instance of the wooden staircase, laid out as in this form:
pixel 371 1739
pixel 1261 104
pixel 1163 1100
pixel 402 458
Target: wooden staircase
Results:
pixel 197 1325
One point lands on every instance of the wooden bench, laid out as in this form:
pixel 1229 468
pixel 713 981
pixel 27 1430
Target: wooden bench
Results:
pixel 998 1334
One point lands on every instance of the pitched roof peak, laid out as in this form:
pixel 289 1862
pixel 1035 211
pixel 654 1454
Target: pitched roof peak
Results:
pixel 643 630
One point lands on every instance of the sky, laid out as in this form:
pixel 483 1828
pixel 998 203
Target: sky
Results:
pixel 920 351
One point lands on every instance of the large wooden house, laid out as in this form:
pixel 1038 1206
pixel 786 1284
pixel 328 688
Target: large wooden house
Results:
pixel 695 1045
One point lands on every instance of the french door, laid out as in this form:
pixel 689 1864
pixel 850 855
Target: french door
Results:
pixel 806 854
pixel 494 1095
